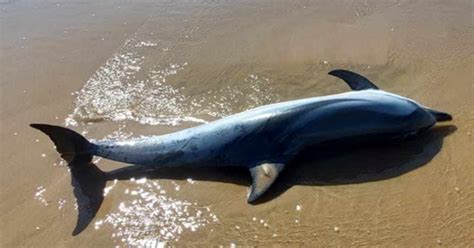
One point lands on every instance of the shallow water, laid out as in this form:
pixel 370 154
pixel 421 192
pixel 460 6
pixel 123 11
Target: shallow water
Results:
pixel 120 70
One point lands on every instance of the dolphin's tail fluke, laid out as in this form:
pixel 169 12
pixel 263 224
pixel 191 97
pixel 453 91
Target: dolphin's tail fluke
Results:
pixel 88 180
pixel 72 146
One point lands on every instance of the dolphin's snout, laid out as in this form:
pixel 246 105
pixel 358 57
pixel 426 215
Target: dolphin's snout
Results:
pixel 443 117
pixel 439 116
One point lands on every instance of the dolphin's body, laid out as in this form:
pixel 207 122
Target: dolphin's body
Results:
pixel 266 138
pixel 274 133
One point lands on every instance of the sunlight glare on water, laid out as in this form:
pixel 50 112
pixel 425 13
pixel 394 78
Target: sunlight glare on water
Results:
pixel 128 87
pixel 39 195
pixel 149 215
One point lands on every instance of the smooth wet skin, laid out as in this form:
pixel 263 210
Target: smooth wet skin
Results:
pixel 274 133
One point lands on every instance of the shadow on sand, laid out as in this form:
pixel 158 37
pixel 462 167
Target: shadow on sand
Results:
pixel 328 164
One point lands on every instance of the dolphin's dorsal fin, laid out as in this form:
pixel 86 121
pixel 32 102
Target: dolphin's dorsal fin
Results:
pixel 354 80
pixel 263 176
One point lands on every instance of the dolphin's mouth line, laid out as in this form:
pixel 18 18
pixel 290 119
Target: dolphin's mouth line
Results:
pixel 412 133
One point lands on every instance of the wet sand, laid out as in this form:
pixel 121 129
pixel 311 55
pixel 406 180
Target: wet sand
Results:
pixel 121 70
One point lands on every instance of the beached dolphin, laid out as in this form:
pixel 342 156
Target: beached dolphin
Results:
pixel 266 138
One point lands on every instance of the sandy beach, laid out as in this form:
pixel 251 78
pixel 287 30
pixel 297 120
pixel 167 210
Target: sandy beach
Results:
pixel 114 70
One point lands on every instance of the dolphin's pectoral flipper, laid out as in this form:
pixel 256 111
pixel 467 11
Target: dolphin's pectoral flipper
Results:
pixel 263 176
pixel 354 80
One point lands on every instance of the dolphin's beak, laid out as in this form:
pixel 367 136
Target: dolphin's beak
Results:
pixel 438 115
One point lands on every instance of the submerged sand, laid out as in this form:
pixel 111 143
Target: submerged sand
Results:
pixel 121 70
